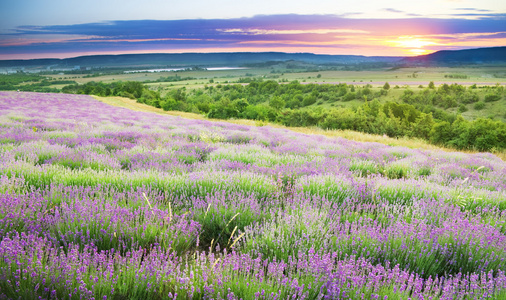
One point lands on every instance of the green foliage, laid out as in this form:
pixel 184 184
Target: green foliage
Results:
pixel 220 225
pixel 396 171
pixel 340 119
pixel 491 97
pixel 449 102
pixel 479 105
pixel 469 97
pixel 151 98
pixel 486 134
pixel 419 114
pixel 457 76
pixel 260 112
pixel 364 167
pixel 29 83
pixel 462 108
pixel 350 96
pixel 19 81
pixel 440 133
pixel 308 100
pixel 277 103
pixel 422 126
pixel 301 117
pixel 129 89
pixel 404 112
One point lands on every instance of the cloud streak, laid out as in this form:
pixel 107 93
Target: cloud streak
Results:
pixel 330 34
pixel 393 10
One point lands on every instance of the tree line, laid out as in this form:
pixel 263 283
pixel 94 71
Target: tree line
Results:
pixel 416 114
pixel 30 83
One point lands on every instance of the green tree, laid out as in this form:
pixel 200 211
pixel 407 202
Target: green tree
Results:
pixel 308 100
pixel 441 133
pixel 241 104
pixel 422 126
pixel 133 87
pixel 168 103
pixel 339 119
pixel 277 103
pixel 460 133
pixel 484 134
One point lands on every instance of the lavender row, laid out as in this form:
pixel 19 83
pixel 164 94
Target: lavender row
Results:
pixel 33 267
pixel 432 238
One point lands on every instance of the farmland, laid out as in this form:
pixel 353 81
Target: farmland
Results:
pixel 102 202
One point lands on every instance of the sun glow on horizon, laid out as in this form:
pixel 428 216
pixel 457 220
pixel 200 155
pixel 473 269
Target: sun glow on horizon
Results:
pixel 413 45
pixel 420 51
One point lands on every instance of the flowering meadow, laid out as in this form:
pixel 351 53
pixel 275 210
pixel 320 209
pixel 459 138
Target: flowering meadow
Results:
pixel 100 202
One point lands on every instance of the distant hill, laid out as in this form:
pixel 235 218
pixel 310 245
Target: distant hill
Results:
pixel 193 59
pixel 461 57
pixel 258 59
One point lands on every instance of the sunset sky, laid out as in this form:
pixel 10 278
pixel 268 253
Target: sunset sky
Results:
pixel 69 28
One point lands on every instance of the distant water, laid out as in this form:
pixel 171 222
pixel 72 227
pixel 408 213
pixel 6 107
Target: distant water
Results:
pixel 225 68
pixel 182 69
pixel 154 70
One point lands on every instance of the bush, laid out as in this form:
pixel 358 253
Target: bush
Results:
pixel 441 133
pixel 339 119
pixel 462 108
pixel 492 97
pixel 350 96
pixel 469 98
pixel 479 105
pixel 126 95
pixel 308 100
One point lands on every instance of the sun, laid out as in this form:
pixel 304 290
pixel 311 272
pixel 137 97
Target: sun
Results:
pixel 419 51
pixel 412 44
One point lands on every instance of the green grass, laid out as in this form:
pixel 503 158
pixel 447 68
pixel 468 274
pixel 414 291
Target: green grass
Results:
pixel 222 225
pixel 365 167
pixel 397 170
pixel 330 187
pixel 175 185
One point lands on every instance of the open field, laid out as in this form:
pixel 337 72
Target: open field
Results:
pixel 102 202
pixel 401 76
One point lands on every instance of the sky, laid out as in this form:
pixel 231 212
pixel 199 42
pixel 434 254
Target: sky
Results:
pixel 69 28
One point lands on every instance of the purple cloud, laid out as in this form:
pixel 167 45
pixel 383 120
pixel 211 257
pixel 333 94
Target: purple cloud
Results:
pixel 293 31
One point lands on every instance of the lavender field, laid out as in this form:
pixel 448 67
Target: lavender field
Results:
pixel 100 202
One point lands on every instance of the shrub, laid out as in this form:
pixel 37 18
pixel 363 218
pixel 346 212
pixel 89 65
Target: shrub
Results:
pixel 479 105
pixel 350 96
pixel 492 97
pixel 308 100
pixel 462 108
